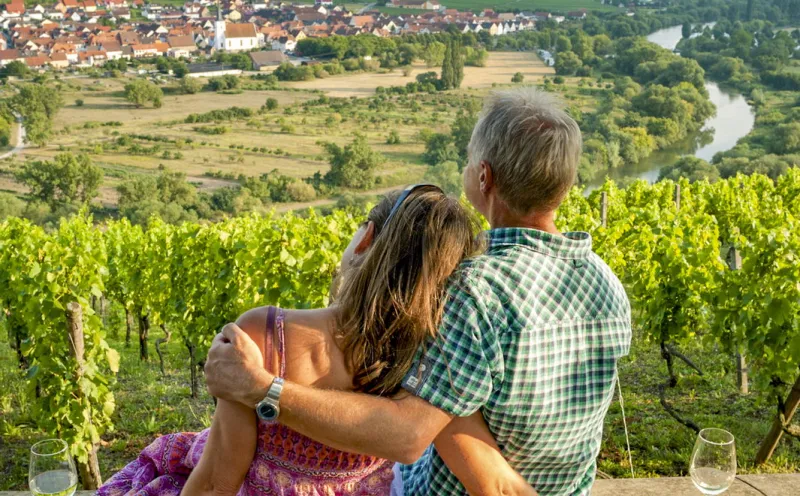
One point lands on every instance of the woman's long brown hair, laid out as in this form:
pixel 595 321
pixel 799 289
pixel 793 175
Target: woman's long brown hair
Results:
pixel 392 298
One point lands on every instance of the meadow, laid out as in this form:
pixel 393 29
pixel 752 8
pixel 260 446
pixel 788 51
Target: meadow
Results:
pixel 563 6
pixel 286 139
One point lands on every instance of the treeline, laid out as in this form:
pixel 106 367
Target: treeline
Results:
pixel 647 96
pixel 745 55
pixel 396 52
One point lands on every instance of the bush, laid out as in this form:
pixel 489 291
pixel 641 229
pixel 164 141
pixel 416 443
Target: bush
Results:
pixel 393 138
pixel 300 191
pixel 189 85
pixel 558 80
pixel 271 104
pixel 517 78
pixel 79 102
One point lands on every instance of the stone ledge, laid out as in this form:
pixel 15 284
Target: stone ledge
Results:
pixel 745 485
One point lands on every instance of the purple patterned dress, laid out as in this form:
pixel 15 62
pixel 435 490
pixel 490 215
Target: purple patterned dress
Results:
pixel 286 463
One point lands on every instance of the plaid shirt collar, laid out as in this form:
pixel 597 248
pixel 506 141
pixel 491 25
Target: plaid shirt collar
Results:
pixel 572 245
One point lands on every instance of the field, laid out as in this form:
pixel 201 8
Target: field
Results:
pixel 562 6
pixel 285 139
pixel 499 69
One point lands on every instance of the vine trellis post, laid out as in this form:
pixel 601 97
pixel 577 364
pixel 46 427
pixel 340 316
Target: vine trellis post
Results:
pixel 735 263
pixel 89 471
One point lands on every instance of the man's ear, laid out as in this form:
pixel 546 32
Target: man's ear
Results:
pixel 366 239
pixel 485 177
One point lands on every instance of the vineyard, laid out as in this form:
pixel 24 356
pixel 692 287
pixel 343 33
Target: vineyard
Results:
pixel 705 265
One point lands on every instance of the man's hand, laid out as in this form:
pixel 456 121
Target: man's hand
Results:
pixel 235 368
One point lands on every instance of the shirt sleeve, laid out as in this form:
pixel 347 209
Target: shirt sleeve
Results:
pixel 454 372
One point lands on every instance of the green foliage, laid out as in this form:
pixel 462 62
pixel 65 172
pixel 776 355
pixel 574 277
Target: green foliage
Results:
pixel 38 105
pixel 41 273
pixel 354 165
pixel 190 85
pixel 393 138
pixel 434 54
pixel 222 83
pixel 518 77
pixel 271 104
pixel 692 168
pixel 447 176
pixel 140 92
pixel 16 68
pixel 66 179
pixel 167 196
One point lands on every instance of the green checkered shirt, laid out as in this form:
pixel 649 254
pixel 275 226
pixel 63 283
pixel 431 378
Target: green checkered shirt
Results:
pixel 531 335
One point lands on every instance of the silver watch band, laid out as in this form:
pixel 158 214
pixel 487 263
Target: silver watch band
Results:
pixel 275 390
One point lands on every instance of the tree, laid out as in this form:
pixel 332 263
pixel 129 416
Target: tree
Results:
pixel 68 179
pixel 786 139
pixel 563 44
pixel 17 69
pixel 354 165
pixel 167 195
pixel 567 63
pixel 457 60
pixel 448 77
pixel 686 30
pixel 141 92
pixel 518 77
pixel 38 105
pixel 447 176
pixel 10 206
pixel 439 148
pixel 271 104
pixel 190 85
pixel 434 54
pixel 692 168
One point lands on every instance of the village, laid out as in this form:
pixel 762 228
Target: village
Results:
pixel 75 34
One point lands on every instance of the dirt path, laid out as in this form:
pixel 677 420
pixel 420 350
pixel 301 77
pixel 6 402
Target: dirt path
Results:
pixel 20 140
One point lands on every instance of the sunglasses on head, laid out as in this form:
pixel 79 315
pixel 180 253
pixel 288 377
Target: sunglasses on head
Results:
pixel 405 194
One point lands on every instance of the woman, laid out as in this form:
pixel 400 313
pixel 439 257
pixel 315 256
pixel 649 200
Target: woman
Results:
pixel 394 273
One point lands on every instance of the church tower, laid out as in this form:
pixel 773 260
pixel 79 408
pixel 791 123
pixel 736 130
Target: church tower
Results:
pixel 219 29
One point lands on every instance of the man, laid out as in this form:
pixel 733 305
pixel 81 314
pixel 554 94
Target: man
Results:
pixel 531 334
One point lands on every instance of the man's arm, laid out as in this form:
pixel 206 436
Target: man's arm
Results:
pixel 395 429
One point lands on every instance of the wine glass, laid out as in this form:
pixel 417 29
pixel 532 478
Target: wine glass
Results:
pixel 52 471
pixel 713 465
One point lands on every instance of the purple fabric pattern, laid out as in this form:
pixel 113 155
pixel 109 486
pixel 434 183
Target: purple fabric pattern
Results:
pixel 286 464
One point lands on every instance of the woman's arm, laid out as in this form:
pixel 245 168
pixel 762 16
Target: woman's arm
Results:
pixel 228 453
pixel 231 443
pixel 471 453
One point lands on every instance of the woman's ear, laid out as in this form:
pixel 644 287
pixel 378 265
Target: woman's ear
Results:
pixel 366 240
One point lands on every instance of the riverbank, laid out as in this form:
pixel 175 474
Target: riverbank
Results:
pixel 733 120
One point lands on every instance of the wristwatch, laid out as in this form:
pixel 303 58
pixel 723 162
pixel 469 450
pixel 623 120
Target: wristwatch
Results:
pixel 269 408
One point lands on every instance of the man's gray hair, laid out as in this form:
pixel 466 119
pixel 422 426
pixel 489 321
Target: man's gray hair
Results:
pixel 532 145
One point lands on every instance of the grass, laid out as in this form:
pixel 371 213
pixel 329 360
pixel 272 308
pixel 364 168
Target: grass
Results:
pixel 399 11
pixel 294 152
pixel 149 405
pixel 500 67
pixel 662 447
pixel 561 6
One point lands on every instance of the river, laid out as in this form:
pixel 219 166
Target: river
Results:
pixel 734 119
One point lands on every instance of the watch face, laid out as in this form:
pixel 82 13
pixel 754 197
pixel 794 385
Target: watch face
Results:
pixel 267 411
